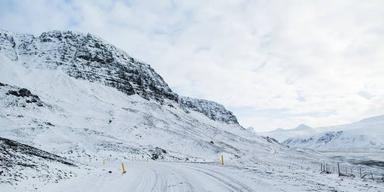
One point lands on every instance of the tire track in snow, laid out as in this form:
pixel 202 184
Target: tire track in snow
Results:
pixel 164 177
pixel 161 178
pixel 232 183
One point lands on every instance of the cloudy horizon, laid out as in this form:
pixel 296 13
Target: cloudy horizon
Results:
pixel 275 64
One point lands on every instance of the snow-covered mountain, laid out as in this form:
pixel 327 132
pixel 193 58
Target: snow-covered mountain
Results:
pixel 84 56
pixel 68 95
pixel 74 95
pixel 364 135
pixel 85 89
pixel 283 134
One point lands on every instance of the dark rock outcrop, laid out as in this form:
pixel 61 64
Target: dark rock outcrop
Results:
pixel 210 109
pixel 21 96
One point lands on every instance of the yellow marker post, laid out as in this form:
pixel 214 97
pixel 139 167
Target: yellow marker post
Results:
pixel 123 168
pixel 222 159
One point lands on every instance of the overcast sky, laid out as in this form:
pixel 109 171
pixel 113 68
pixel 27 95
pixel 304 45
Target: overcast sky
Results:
pixel 275 63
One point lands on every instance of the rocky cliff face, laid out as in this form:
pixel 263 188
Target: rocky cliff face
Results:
pixel 210 109
pixel 85 56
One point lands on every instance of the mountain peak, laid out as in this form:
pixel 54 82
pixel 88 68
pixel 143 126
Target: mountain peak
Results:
pixel 302 127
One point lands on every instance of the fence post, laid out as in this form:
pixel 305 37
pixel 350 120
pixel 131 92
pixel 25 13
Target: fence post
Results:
pixel 360 172
pixel 338 169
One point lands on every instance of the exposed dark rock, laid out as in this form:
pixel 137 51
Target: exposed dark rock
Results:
pixel 49 124
pixel 12 92
pixel 154 156
pixel 24 92
pixel 34 100
pixel 157 153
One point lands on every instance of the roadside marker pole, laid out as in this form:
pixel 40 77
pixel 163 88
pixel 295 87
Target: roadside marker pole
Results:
pixel 222 160
pixel 123 168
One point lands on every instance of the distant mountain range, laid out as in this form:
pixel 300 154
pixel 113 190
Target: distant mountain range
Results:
pixel 282 134
pixel 364 135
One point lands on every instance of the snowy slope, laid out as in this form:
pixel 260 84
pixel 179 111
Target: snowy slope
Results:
pixel 74 95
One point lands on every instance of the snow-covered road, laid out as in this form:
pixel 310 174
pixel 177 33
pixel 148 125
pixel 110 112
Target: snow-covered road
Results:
pixel 160 176
pixel 155 176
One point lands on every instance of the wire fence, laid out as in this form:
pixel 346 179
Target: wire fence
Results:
pixel 346 170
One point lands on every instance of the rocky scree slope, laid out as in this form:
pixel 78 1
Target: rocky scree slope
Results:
pixel 19 161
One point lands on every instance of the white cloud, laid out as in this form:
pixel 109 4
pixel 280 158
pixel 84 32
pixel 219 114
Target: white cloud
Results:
pixel 275 63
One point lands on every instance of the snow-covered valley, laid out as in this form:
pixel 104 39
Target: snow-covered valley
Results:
pixel 74 96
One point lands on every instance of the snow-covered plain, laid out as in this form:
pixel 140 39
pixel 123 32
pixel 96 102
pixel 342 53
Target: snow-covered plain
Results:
pixel 164 145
